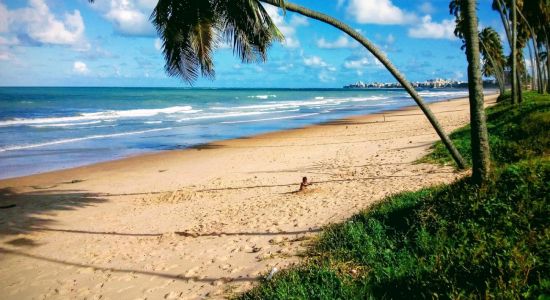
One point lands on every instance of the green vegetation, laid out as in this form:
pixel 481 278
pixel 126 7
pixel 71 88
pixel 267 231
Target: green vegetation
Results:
pixel 515 132
pixel 454 241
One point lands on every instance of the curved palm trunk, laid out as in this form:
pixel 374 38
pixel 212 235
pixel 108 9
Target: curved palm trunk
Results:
pixel 519 79
pixel 498 74
pixel 480 138
pixel 383 59
pixel 547 62
pixel 511 42
pixel 514 53
pixel 536 60
pixel 505 21
pixel 534 80
pixel 540 75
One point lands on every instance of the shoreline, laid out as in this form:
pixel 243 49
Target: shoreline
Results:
pixel 160 152
pixel 209 221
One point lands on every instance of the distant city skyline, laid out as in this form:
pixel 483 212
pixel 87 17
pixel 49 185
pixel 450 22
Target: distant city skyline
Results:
pixel 112 43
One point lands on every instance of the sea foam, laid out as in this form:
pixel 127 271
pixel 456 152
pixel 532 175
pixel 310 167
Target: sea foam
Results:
pixel 72 140
pixel 102 115
pixel 271 119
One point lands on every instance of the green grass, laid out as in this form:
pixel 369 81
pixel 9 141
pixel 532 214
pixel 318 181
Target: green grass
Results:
pixel 445 242
pixel 515 132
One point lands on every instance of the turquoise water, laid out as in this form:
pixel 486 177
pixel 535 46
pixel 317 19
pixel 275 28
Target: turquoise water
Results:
pixel 44 129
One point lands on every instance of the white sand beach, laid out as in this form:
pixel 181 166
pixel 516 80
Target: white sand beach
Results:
pixel 207 221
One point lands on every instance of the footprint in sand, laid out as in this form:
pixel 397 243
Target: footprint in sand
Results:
pixel 192 272
pixel 173 295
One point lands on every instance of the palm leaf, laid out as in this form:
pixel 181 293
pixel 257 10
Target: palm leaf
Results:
pixel 247 27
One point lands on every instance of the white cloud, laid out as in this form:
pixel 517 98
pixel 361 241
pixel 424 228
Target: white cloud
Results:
pixel 432 30
pixel 128 17
pixel 315 61
pixel 360 63
pixel 39 25
pixel 285 67
pixel 377 12
pixel 427 8
pixel 298 21
pixel 325 70
pixel 3 18
pixel 287 29
pixel 80 68
pixel 356 63
pixel 11 41
pixel 342 42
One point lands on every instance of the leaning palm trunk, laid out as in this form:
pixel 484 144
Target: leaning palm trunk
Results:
pixel 519 81
pixel 534 61
pixel 514 53
pixel 511 42
pixel 540 73
pixel 496 69
pixel 547 62
pixel 384 60
pixel 534 79
pixel 480 138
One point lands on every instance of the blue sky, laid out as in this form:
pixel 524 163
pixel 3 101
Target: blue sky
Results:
pixel 112 43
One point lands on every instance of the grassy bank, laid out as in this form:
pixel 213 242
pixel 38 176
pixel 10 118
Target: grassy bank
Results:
pixel 445 242
pixel 515 132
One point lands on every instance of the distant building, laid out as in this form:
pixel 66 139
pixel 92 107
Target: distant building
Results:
pixel 436 83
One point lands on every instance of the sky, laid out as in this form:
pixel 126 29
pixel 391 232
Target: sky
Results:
pixel 112 43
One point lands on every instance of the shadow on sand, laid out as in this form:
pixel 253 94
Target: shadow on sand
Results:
pixel 5 251
pixel 182 233
pixel 24 212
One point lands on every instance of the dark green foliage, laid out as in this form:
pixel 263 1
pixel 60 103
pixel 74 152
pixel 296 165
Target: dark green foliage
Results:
pixel 191 30
pixel 447 242
pixel 515 132
pixel 308 282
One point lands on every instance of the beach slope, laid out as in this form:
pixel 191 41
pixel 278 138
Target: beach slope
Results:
pixel 207 221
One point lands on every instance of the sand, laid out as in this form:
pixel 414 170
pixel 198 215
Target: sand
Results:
pixel 208 221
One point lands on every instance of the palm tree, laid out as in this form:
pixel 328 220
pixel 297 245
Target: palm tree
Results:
pixel 504 10
pixel 493 56
pixel 530 9
pixel 191 29
pixel 543 56
pixel 514 44
pixel 489 41
pixel 480 139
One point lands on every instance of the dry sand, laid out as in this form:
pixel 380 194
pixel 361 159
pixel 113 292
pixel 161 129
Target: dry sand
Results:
pixel 209 221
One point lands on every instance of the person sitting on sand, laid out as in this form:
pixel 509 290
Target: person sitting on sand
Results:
pixel 304 184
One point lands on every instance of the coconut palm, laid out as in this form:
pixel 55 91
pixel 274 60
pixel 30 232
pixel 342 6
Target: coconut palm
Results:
pixel 466 29
pixel 543 57
pixel 530 17
pixel 507 14
pixel 513 46
pixel 489 45
pixel 493 56
pixel 191 29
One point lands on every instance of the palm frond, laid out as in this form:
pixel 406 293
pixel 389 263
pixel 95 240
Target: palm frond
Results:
pixel 191 29
pixel 185 27
pixel 248 28
pixel 492 51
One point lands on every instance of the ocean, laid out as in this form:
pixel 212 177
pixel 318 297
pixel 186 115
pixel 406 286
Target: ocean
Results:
pixel 50 128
